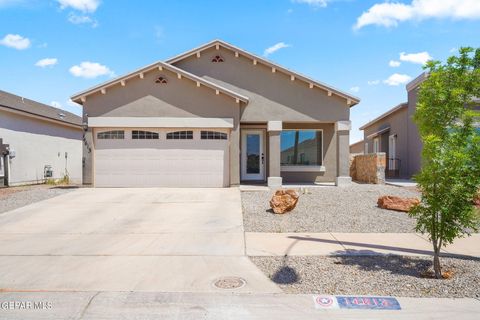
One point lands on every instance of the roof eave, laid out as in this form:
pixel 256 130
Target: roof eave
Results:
pixel 78 97
pixel 384 115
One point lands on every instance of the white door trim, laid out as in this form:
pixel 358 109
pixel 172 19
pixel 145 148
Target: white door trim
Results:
pixel 392 151
pixel 253 176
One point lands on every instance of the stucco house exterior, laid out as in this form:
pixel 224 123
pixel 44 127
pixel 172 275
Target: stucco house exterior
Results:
pixel 395 133
pixel 215 116
pixel 38 142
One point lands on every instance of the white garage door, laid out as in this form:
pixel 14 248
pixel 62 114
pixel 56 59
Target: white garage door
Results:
pixel 161 158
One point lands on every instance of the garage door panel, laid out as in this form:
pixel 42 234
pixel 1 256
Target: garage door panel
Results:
pixel 161 163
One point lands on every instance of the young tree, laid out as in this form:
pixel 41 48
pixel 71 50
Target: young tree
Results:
pixel 450 177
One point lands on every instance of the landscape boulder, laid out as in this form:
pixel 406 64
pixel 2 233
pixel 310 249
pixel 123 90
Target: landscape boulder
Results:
pixel 284 201
pixel 397 203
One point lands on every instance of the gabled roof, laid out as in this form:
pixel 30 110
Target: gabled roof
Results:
pixel 23 105
pixel 417 81
pixel 384 115
pixel 81 96
pixel 220 43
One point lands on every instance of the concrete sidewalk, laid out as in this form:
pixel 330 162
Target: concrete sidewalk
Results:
pixel 313 244
pixel 155 305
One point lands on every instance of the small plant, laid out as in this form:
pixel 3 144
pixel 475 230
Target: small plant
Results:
pixel 65 180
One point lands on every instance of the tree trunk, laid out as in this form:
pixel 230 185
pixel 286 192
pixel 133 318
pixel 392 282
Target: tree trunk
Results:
pixel 436 263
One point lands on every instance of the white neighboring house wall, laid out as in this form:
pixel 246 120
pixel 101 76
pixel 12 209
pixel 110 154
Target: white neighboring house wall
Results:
pixel 38 143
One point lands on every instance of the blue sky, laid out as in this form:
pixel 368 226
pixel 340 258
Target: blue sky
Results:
pixel 51 49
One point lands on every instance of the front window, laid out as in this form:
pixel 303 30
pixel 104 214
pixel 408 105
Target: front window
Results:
pixel 301 147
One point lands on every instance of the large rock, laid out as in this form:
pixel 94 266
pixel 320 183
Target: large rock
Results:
pixel 284 201
pixel 397 203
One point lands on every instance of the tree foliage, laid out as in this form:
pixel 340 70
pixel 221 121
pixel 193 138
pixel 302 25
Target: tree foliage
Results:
pixel 446 113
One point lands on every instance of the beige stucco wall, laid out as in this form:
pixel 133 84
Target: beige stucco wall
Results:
pixel 273 96
pixel 415 145
pixel 398 123
pixel 178 98
pixel 38 143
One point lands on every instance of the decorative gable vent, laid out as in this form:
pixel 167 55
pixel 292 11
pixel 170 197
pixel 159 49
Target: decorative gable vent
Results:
pixel 161 80
pixel 217 59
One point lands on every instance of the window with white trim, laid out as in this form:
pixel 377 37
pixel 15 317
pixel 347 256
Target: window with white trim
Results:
pixel 213 135
pixel 144 135
pixel 376 145
pixel 301 148
pixel 180 135
pixel 113 134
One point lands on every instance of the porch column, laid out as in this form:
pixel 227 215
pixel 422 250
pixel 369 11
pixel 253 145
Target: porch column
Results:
pixel 274 129
pixel 342 130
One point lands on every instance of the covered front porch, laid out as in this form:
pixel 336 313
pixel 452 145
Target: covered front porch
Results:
pixel 279 153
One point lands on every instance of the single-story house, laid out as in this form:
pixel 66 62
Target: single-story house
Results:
pixel 38 142
pixel 357 147
pixel 395 133
pixel 215 116
pixel 388 133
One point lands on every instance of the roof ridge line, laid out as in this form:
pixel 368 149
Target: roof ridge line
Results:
pixel 231 47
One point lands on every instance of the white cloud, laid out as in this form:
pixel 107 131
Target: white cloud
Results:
pixel 419 58
pixel 15 41
pixel 90 70
pixel 159 32
pixel 373 82
pixel 397 79
pixel 394 63
pixel 355 89
pixel 313 3
pixel 80 5
pixel 275 48
pixel 46 62
pixel 82 19
pixel 56 104
pixel 389 14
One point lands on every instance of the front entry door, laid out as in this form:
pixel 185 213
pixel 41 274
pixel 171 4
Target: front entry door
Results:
pixel 253 155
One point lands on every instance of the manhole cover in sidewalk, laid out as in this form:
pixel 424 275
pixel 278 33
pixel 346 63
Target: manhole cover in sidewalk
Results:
pixel 229 283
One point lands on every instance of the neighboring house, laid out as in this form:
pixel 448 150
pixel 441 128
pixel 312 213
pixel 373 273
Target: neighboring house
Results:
pixel 395 133
pixel 38 142
pixel 215 116
pixel 357 147
pixel 389 133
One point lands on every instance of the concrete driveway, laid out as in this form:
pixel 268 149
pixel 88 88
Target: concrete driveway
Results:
pixel 170 240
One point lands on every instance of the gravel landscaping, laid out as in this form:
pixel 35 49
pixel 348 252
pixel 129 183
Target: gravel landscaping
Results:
pixel 329 209
pixel 15 197
pixel 372 275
